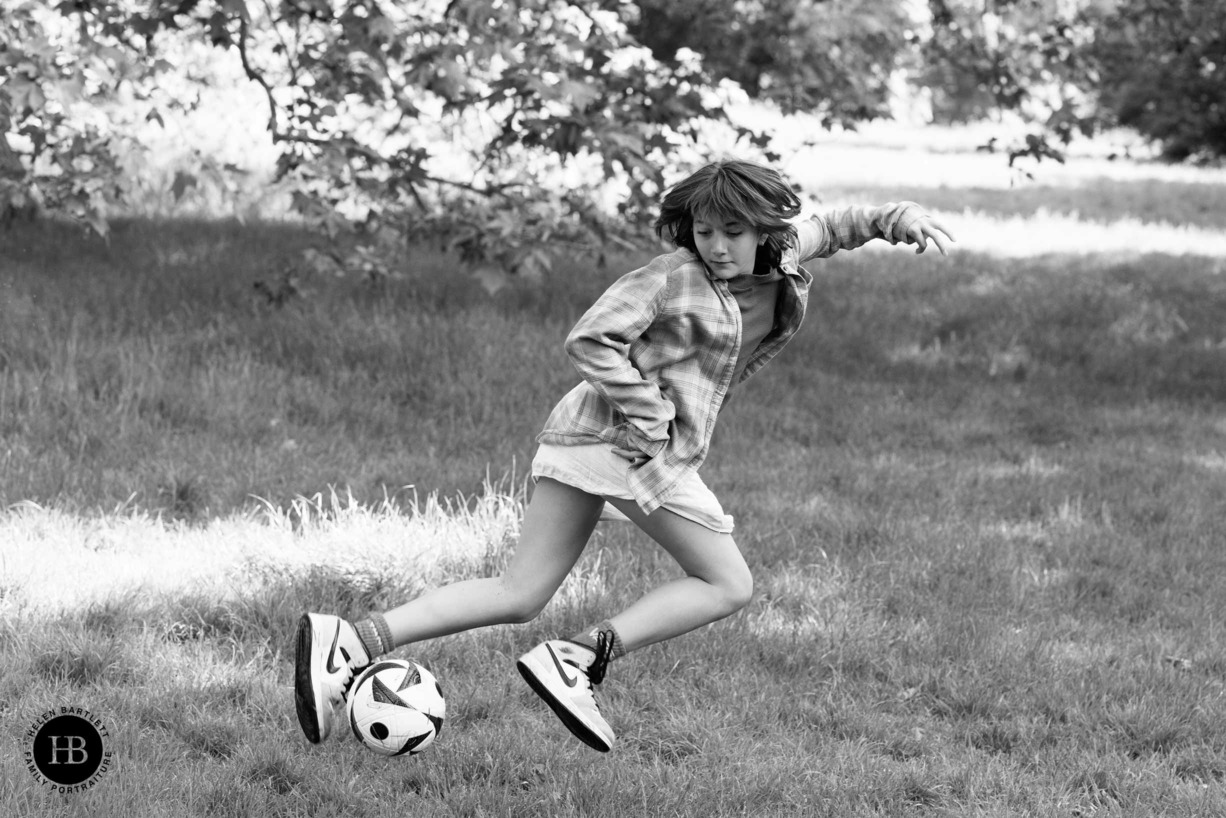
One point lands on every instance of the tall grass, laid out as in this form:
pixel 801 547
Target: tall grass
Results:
pixel 981 497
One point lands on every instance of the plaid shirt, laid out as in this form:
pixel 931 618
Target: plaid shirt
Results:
pixel 657 350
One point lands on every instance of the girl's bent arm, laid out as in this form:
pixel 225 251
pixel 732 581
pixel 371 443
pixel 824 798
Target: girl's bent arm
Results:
pixel 599 348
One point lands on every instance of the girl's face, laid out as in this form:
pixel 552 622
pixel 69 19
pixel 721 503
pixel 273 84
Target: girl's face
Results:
pixel 729 248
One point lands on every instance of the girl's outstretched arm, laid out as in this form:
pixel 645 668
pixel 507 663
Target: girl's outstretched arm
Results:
pixel 847 228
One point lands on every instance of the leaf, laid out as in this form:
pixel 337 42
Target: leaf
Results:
pixel 533 265
pixel 308 204
pixel 578 94
pixel 238 7
pixel 335 224
pixel 99 224
pixel 91 210
pixel 623 140
pixel 26 95
pixel 325 263
pixel 491 278
pixel 182 182
pixel 219 31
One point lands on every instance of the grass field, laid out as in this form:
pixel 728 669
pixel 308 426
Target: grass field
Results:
pixel 982 497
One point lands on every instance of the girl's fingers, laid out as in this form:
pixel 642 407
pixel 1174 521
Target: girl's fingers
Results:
pixel 940 240
pixel 930 228
pixel 940 227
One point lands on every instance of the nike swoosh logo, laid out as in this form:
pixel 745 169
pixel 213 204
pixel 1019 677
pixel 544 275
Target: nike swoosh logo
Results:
pixel 570 681
pixel 331 667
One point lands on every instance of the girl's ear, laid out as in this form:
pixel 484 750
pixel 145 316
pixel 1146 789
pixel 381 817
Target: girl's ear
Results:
pixel 762 239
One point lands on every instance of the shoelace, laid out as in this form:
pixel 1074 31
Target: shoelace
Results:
pixel 604 652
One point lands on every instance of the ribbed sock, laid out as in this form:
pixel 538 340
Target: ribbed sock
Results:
pixel 375 634
pixel 588 638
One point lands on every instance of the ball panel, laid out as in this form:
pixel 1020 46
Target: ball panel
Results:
pixel 381 693
pixel 383 665
pixel 416 744
pixel 411 678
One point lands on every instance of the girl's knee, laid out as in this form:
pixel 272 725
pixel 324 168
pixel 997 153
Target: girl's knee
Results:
pixel 522 610
pixel 522 605
pixel 739 590
pixel 735 588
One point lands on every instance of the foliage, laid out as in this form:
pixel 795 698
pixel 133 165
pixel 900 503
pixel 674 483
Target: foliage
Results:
pixel 1163 72
pixel 507 131
pixel 834 59
pixel 1076 68
pixel 1025 56
pixel 70 163
pixel 496 127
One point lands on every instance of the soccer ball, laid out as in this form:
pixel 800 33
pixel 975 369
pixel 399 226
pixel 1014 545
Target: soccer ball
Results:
pixel 396 707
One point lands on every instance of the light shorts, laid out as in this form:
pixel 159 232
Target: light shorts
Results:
pixel 597 469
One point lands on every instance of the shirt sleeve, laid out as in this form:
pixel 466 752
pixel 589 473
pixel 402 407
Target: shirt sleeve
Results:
pixel 847 228
pixel 599 347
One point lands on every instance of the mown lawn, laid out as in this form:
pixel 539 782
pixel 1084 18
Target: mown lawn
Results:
pixel 983 498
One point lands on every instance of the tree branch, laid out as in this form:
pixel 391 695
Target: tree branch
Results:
pixel 258 78
pixel 289 54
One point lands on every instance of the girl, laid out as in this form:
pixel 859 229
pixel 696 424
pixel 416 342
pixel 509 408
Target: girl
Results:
pixel 659 353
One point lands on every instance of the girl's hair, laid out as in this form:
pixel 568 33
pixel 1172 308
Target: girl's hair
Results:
pixel 732 190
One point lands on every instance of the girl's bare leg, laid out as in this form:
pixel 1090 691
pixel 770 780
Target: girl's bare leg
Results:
pixel 717 582
pixel 557 524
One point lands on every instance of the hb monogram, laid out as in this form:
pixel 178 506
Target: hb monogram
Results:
pixel 73 747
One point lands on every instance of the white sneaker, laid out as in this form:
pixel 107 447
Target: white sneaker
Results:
pixel 562 673
pixel 328 652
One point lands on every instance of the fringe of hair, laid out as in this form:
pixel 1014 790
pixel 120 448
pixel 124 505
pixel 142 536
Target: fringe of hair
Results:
pixel 732 190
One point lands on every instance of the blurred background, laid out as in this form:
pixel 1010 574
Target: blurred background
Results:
pixel 513 131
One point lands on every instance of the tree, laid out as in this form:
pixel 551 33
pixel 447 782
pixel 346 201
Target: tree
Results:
pixel 499 128
pixel 1029 57
pixel 504 128
pixel 45 99
pixel 1163 72
pixel 826 57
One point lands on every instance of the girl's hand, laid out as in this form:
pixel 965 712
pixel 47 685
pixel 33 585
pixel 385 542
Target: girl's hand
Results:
pixel 636 458
pixel 926 228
